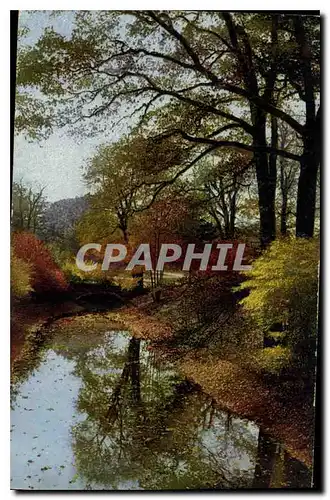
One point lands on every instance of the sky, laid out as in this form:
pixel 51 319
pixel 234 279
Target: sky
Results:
pixel 55 163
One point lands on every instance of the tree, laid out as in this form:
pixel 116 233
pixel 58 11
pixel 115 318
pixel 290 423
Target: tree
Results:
pixel 28 207
pixel 20 276
pixel 119 183
pixel 169 220
pixel 302 67
pixel 229 61
pixel 283 288
pixel 221 182
pixel 33 117
pixel 288 176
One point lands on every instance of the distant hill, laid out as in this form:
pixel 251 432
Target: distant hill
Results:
pixel 60 216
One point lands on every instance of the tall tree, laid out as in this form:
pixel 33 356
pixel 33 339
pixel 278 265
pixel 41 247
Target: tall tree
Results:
pixel 307 82
pixel 287 179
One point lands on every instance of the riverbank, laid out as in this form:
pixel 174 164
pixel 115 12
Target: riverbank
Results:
pixel 28 315
pixel 33 312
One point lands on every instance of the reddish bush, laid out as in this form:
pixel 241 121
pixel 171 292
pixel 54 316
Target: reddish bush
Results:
pixel 46 275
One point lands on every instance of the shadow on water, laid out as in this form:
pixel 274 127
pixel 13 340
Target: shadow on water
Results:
pixel 98 411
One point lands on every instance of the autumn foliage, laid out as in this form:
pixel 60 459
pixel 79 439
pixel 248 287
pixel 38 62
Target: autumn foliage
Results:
pixel 45 274
pixel 20 277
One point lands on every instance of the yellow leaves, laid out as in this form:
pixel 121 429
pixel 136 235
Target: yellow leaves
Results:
pixel 283 278
pixel 271 359
pixel 125 281
pixel 73 273
pixel 97 225
pixel 20 276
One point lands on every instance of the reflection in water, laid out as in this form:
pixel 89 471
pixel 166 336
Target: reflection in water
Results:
pixel 108 416
pixel 276 469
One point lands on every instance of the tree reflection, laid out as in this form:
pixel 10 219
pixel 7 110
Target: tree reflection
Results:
pixel 275 468
pixel 146 428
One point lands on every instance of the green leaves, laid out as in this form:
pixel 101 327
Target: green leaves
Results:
pixel 33 117
pixel 283 288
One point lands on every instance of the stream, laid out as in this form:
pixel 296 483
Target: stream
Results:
pixel 96 409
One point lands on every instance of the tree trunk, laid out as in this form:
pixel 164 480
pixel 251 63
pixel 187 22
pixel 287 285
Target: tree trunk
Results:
pixel 266 202
pixel 284 192
pixel 125 234
pixel 311 156
pixel 265 180
pixel 273 163
pixel 306 198
pixel 284 228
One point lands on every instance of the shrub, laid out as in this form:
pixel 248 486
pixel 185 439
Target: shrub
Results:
pixel 75 275
pixel 46 276
pixel 20 276
pixel 283 288
pixel 60 255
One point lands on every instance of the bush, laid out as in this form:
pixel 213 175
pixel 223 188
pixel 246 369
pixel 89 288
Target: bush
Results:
pixel 46 276
pixel 283 288
pixel 60 255
pixel 75 275
pixel 207 295
pixel 20 277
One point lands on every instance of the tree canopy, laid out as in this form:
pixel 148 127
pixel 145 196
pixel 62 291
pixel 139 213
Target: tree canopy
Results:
pixel 208 79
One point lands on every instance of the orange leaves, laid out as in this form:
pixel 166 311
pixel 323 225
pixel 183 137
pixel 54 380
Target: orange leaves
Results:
pixel 145 326
pixel 45 275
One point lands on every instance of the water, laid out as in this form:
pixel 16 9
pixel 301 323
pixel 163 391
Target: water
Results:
pixel 95 410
